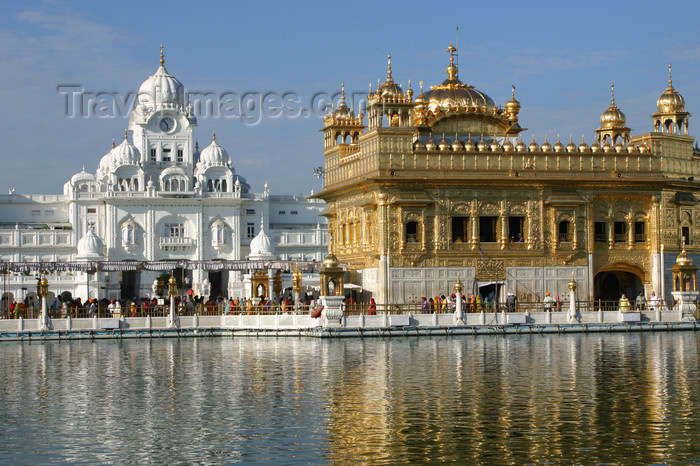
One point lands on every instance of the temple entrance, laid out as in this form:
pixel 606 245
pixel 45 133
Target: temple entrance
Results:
pixel 216 284
pixel 490 291
pixel 609 285
pixel 129 283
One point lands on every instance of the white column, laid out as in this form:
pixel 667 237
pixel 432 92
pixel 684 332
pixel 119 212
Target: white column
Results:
pixel 44 321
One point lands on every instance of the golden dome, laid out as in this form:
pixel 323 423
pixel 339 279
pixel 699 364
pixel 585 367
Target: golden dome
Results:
pixel 520 146
pixel 481 145
pixel 495 146
pixel 343 112
pixel 595 147
pixel 512 106
pixel 508 146
pixel 613 116
pixel 443 143
pixel 469 145
pixel 583 147
pixel 331 261
pixel 619 147
pixel 390 90
pixel 670 101
pixel 430 145
pixel 546 146
pixel 453 94
pixel 571 147
pixel 533 147
pixel 558 146
pixel 456 145
pixel 632 148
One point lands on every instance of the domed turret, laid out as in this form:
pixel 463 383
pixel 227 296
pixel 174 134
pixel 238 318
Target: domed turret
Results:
pixel 214 154
pixel 583 147
pixel 126 153
pixel 671 116
pixel 571 147
pixel 670 101
pixel 162 90
pixel 90 247
pixel 390 90
pixel 533 147
pixel 81 176
pixel 520 146
pixel 612 124
pixel 546 146
pixel 262 247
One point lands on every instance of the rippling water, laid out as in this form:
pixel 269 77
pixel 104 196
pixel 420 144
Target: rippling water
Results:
pixel 588 398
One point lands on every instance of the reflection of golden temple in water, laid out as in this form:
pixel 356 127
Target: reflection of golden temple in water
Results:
pixel 430 186
pixel 479 400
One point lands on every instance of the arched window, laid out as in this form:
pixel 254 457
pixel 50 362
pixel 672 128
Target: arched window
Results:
pixel 412 232
pixel 564 232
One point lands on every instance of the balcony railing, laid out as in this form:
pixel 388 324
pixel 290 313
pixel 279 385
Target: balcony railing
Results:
pixel 176 243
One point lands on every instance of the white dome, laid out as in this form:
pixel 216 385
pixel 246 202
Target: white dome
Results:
pixel 82 176
pixel 262 247
pixel 214 154
pixel 105 162
pixel 126 153
pixel 162 90
pixel 90 247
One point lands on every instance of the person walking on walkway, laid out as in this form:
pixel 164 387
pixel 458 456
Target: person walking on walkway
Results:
pixel 624 303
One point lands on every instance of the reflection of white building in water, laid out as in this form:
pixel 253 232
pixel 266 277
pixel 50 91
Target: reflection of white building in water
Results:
pixel 156 197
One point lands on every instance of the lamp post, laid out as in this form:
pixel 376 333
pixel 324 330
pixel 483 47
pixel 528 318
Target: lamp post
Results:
pixel 296 287
pixel 42 289
pixel 459 316
pixel 172 291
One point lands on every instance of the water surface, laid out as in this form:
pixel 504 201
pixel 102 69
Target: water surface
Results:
pixel 588 398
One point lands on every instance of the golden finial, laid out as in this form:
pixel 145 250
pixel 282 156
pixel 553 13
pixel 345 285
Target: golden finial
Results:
pixel 370 88
pixel 452 50
pixel 388 70
pixel 512 91
pixel 213 135
pixel 162 58
pixel 342 93
pixel 421 87
pixel 126 134
pixel 670 82
pixel 612 94
pixel 113 145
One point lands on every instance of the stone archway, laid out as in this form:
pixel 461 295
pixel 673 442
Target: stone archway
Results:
pixel 614 279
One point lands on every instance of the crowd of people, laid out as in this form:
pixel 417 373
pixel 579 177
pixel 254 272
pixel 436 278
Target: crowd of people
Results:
pixel 64 306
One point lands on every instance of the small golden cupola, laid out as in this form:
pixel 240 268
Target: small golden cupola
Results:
pixel 612 124
pixel 341 126
pixel 671 116
pixel 388 105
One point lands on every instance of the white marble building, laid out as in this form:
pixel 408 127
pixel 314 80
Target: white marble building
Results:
pixel 155 197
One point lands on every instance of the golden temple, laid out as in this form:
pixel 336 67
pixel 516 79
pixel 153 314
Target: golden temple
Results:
pixel 426 189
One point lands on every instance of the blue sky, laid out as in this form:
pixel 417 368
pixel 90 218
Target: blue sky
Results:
pixel 561 56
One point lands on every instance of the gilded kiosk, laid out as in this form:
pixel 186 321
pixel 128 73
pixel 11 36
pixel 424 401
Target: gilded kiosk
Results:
pixel 430 186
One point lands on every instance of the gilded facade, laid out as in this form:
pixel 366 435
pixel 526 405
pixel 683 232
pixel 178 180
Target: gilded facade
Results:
pixel 429 186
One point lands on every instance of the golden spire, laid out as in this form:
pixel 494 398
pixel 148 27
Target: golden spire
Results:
pixel 512 92
pixel 126 134
pixel 113 145
pixel 612 94
pixel 388 70
pixel 162 58
pixel 421 88
pixel 213 135
pixel 670 81
pixel 342 93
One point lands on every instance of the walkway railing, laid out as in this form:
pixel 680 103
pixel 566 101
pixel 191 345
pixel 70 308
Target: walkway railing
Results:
pixel 349 309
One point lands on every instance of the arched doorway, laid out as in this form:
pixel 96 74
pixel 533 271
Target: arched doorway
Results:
pixel 614 279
